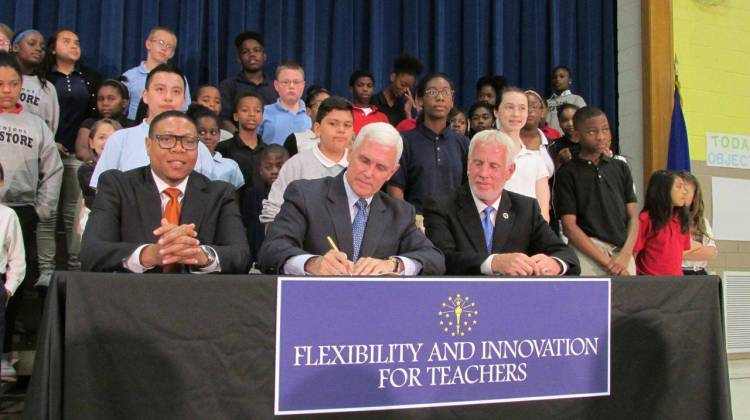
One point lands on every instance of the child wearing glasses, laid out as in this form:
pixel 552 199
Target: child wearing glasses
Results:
pixel 287 115
pixel 160 47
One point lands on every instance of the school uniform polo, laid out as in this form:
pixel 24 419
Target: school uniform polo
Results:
pixel 279 122
pixel 597 194
pixel 432 164
pixel 76 94
pixel 395 113
pixel 248 159
pixel 232 87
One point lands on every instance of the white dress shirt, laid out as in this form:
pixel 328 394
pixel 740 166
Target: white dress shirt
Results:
pixel 133 262
pixel 486 267
pixel 296 264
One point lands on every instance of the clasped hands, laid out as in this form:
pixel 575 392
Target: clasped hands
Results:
pixel 176 244
pixel 518 264
pixel 336 263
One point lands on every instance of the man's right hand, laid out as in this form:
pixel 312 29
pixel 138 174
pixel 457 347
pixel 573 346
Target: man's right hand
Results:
pixel 333 263
pixel 174 243
pixel 513 264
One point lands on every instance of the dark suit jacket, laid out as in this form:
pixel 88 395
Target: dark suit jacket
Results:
pixel 314 209
pixel 455 226
pixel 127 209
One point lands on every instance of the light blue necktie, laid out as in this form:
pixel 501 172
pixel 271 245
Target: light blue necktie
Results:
pixel 488 228
pixel 358 226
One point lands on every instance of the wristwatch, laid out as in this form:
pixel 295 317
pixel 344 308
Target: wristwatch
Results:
pixel 210 255
pixel 396 262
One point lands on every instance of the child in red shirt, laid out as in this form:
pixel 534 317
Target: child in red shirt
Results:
pixel 663 230
pixel 361 85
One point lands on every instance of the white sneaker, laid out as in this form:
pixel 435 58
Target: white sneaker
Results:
pixel 7 371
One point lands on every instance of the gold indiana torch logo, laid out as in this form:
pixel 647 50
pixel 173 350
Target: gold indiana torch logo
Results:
pixel 458 315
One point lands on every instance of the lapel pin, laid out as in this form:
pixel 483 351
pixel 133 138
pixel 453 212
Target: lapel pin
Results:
pixel 505 216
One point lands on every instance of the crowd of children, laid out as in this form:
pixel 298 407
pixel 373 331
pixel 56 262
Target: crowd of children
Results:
pixel 61 126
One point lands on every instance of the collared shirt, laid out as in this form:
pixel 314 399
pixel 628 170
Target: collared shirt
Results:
pixel 246 157
pixel 597 194
pixel 296 264
pixel 279 122
pixel 133 262
pixel 395 113
pixel 530 167
pixel 364 116
pixel 74 97
pixel 227 170
pixel 299 142
pixel 432 164
pixel 486 267
pixel 136 84
pixel 310 164
pixel 126 150
pixel 232 87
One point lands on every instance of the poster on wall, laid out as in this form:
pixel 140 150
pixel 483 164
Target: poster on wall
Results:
pixel 728 150
pixel 730 208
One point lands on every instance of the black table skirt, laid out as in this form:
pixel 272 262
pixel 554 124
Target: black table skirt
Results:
pixel 184 347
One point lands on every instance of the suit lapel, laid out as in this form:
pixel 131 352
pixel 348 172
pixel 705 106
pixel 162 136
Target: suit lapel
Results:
pixel 374 229
pixel 338 209
pixel 148 204
pixel 470 220
pixel 503 224
pixel 194 203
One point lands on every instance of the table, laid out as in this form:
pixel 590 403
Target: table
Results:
pixel 186 346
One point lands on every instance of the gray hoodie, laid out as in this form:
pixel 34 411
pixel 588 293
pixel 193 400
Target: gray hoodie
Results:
pixel 31 163
pixel 41 101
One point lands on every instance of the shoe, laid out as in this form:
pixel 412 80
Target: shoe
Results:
pixel 74 264
pixel 7 371
pixel 45 277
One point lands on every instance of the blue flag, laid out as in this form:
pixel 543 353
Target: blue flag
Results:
pixel 678 158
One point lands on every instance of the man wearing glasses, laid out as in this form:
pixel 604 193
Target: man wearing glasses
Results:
pixel 434 158
pixel 161 44
pixel 287 115
pixel 165 217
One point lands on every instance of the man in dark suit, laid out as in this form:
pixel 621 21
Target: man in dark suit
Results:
pixel 483 229
pixel 165 217
pixel 370 232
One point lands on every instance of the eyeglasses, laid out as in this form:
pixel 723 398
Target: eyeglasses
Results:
pixel 213 132
pixel 169 141
pixel 291 82
pixel 445 93
pixel 163 45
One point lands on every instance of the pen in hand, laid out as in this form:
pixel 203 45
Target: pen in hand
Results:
pixel 332 243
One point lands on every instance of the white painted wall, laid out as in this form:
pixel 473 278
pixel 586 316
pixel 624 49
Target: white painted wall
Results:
pixel 630 86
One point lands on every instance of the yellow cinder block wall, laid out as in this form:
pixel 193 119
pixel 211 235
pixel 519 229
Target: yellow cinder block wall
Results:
pixel 712 48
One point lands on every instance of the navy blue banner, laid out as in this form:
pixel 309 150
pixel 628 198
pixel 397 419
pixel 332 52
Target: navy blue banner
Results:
pixel 383 343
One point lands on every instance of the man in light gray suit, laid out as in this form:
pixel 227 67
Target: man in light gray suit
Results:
pixel 345 225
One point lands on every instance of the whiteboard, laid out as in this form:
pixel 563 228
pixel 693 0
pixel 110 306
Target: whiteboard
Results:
pixel 731 203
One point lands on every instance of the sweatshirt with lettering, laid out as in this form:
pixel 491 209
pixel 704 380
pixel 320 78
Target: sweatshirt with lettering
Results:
pixel 41 100
pixel 31 163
